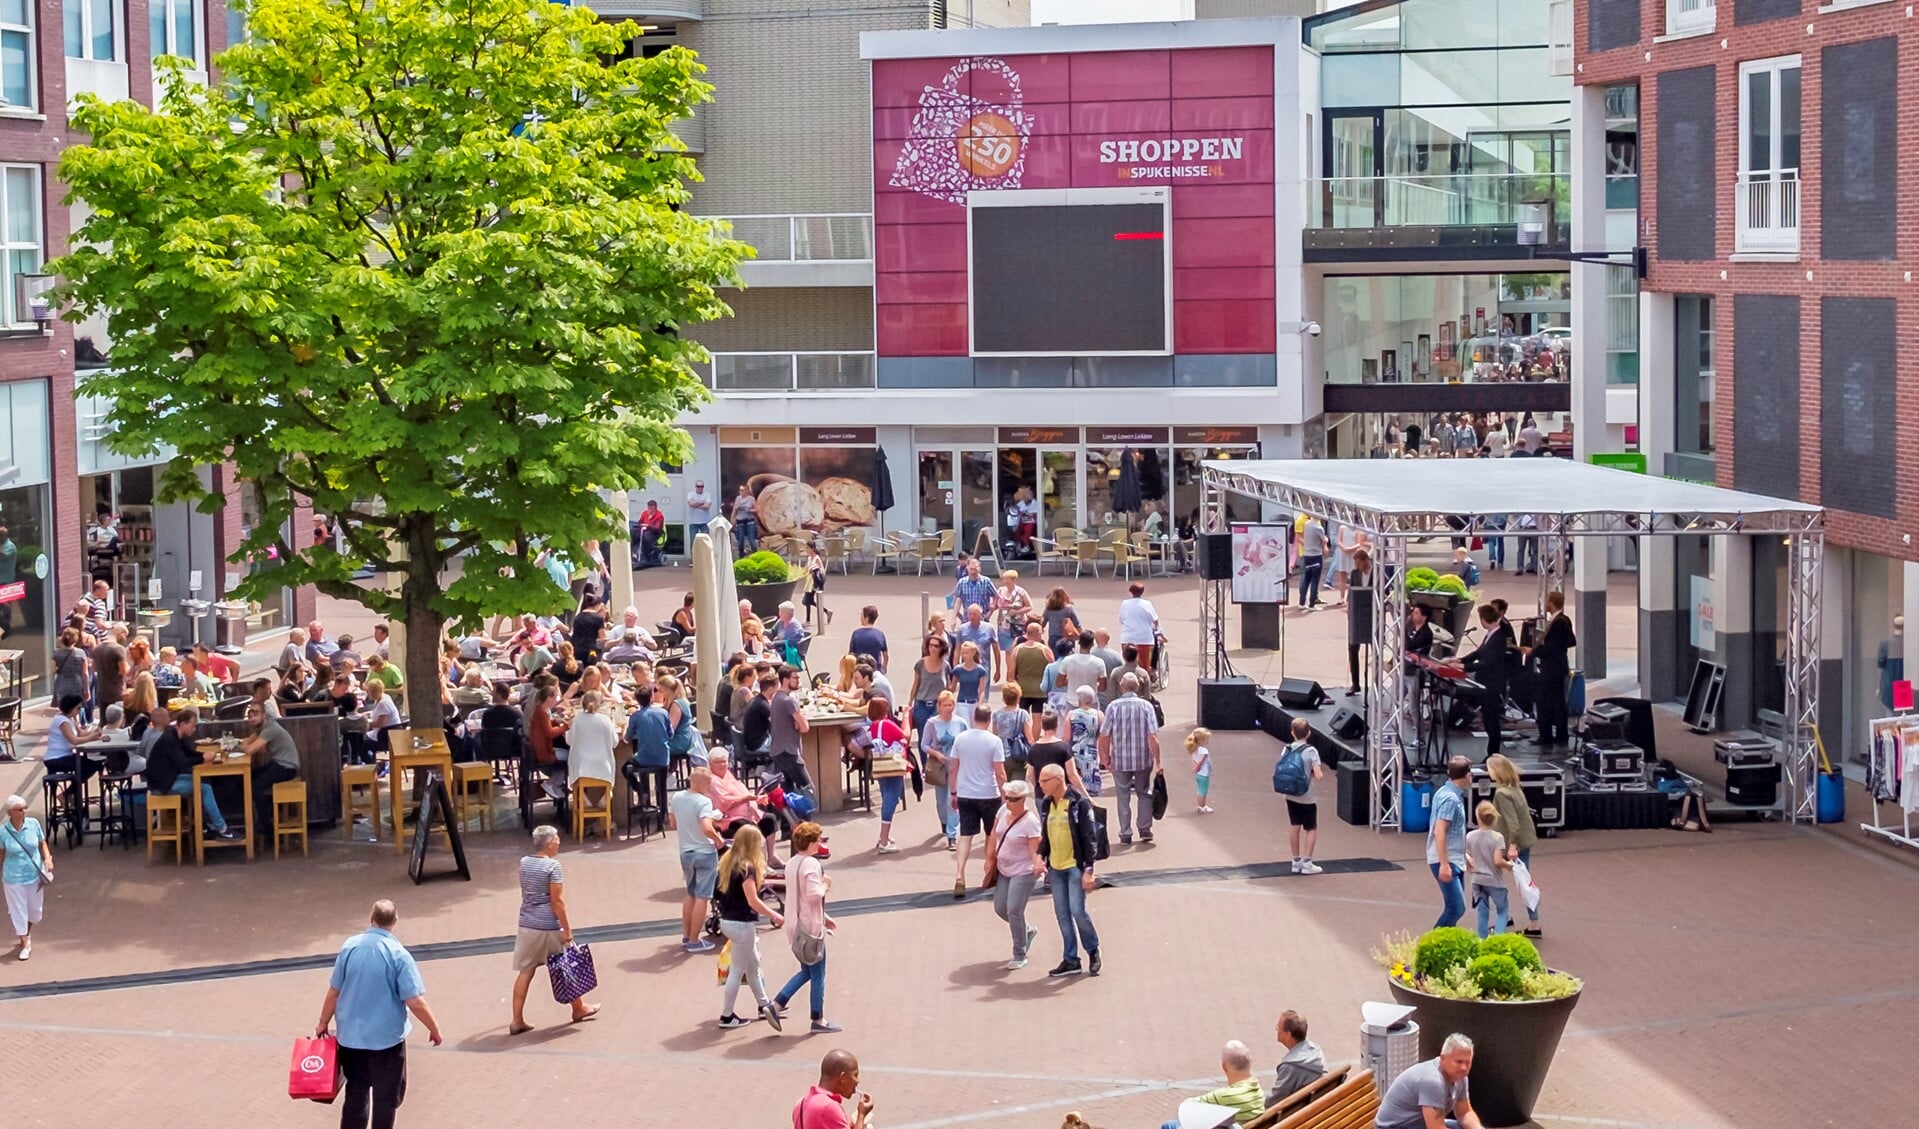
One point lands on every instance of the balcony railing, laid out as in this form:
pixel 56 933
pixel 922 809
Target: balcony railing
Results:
pixel 1768 208
pixel 789 372
pixel 1466 209
pixel 830 237
pixel 1688 17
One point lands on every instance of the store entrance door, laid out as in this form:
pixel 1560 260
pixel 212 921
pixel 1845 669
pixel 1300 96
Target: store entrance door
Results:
pixel 938 491
pixel 1354 193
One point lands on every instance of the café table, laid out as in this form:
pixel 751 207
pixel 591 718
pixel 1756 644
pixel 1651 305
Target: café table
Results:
pixel 240 766
pixel 821 747
pixel 425 750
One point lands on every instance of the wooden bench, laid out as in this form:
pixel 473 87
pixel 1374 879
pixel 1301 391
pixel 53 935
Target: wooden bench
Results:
pixel 1350 1105
pixel 1292 1103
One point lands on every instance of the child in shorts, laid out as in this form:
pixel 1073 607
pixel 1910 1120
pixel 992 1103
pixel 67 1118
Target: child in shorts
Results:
pixel 1485 859
pixel 1196 747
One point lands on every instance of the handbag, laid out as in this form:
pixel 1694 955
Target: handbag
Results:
pixel 315 1074
pixel 46 879
pixel 807 948
pixel 572 974
pixel 935 772
pixel 1160 798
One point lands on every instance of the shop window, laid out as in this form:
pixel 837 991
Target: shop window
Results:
pixel 92 31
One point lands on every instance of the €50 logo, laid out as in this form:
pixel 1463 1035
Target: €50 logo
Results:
pixel 959 143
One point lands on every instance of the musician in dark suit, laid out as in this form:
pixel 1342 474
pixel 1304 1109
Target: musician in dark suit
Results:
pixel 1488 667
pixel 1419 631
pixel 1553 654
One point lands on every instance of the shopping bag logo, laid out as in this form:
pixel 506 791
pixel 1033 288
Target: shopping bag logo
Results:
pixel 312 1064
pixel 958 143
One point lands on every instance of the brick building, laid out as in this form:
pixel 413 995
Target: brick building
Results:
pixel 1769 169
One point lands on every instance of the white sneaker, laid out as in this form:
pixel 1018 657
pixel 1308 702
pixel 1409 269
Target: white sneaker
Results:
pixel 888 848
pixel 1016 964
pixel 1207 809
pixel 1308 867
pixel 1295 866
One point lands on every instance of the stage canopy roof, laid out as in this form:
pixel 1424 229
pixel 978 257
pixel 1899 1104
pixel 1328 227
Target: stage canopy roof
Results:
pixel 1409 495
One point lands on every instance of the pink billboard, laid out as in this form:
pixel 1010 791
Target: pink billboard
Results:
pixel 1197 122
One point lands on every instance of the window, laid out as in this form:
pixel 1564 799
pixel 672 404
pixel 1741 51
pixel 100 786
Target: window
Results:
pixel 20 210
pixel 17 82
pixel 1768 201
pixel 90 30
pixel 237 32
pixel 176 29
pixel 1690 17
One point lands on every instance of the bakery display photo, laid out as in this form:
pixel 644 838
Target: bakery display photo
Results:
pixel 799 491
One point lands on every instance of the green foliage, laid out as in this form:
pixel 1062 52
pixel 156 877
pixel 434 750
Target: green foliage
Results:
pixel 1443 949
pixel 1496 974
pixel 1457 984
pixel 1548 985
pixel 763 567
pixel 1452 585
pixel 1421 579
pixel 432 283
pixel 1521 950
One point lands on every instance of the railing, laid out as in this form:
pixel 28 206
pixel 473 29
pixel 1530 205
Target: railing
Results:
pixel 789 372
pixel 829 237
pixel 1687 16
pixel 1461 200
pixel 1768 208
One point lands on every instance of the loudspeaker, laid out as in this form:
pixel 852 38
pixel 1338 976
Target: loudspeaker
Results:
pixel 1215 556
pixel 1353 805
pixel 1347 724
pixel 1300 693
pixel 1229 703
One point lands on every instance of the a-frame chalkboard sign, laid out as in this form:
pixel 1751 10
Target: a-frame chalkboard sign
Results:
pixel 435 804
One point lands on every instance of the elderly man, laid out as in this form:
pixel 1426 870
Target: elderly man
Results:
pixel 788 629
pixel 375 985
pixel 975 630
pixel 1432 1094
pixel 1303 1064
pixel 319 647
pixel 1241 1093
pixel 1129 748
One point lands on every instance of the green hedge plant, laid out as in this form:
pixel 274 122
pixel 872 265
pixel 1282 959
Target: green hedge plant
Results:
pixel 1453 964
pixel 762 568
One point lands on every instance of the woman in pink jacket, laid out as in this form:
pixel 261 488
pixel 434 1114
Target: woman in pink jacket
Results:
pixel 807 923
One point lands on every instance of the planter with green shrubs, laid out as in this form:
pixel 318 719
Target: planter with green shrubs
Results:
pixel 1497 992
pixel 766 580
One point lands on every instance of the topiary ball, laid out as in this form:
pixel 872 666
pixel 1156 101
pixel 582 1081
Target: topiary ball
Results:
pixel 1443 949
pixel 1522 951
pixel 1497 974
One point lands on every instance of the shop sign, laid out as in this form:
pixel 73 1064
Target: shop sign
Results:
pixel 839 436
pixel 1216 436
pixel 1022 436
pixel 1125 435
pixel 14 591
pixel 1172 158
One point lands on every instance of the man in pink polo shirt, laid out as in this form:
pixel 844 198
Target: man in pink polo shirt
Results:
pixel 839 1080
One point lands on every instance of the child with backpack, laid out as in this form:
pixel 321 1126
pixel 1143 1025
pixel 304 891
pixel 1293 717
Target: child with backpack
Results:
pixel 1196 747
pixel 1293 777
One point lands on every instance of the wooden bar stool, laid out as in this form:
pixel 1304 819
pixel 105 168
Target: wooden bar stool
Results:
pixel 473 785
pixel 352 778
pixel 290 813
pixel 584 814
pixel 166 824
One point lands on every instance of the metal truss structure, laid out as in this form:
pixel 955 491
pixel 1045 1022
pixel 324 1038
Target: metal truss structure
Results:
pixel 1391 715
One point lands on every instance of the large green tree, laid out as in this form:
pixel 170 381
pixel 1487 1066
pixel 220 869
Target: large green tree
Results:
pixel 417 262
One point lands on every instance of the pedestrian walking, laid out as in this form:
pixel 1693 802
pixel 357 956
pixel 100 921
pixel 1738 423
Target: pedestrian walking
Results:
pixel 936 737
pixel 1515 823
pixel 692 816
pixel 808 924
pixel 375 985
pixel 1302 811
pixel 979 772
pixel 889 740
pixel 1485 860
pixel 742 877
pixel 1129 747
pixel 544 929
pixel 1013 861
pixel 1071 847
pixel 24 874
pixel 1446 841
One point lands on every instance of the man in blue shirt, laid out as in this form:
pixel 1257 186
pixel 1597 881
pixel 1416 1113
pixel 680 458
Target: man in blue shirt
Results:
pixel 868 641
pixel 972 589
pixel 1446 841
pixel 977 631
pixel 375 984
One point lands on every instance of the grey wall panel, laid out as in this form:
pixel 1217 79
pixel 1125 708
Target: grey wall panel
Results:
pixel 1759 11
pixel 1765 394
pixel 1859 127
pixel 1858 405
pixel 1688 184
pixel 1611 23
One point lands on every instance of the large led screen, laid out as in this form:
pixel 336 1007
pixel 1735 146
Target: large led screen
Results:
pixel 1084 279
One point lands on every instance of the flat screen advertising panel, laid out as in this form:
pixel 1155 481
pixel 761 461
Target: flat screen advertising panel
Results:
pixel 1082 279
pixel 1259 563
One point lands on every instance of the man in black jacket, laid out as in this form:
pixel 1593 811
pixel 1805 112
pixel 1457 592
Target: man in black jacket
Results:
pixel 756 728
pixel 1487 665
pixel 1553 653
pixel 170 770
pixel 1070 845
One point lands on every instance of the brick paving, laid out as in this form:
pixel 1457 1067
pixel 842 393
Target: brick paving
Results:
pixel 1705 958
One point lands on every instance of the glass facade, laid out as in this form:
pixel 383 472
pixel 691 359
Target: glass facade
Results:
pixel 1448 328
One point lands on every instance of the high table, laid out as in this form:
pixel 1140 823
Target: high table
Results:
pixel 242 768
pixel 820 748
pixel 426 753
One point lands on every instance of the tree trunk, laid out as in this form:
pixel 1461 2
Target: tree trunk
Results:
pixel 423 625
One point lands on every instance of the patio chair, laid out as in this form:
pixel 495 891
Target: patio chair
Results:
pixel 943 551
pixel 1085 552
pixel 1059 550
pixel 1125 557
pixel 884 549
pixel 837 548
pixel 923 548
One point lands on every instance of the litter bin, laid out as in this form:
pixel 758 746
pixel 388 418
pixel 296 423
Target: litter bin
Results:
pixel 1388 1047
pixel 1832 797
pixel 1415 806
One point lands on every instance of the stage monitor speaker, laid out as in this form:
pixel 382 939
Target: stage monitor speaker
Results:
pixel 1353 805
pixel 1347 724
pixel 1215 556
pixel 1229 703
pixel 1300 693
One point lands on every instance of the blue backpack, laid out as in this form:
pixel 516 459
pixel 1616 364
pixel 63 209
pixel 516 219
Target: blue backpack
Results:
pixel 1289 775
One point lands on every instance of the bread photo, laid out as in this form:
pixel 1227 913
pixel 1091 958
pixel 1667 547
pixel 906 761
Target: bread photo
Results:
pixel 759 482
pixel 790 507
pixel 848 502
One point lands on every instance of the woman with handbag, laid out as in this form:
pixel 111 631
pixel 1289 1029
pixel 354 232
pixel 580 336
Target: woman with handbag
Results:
pixel 807 925
pixel 545 930
pixel 25 873
pixel 742 877
pixel 936 747
pixel 1012 862
pixel 891 767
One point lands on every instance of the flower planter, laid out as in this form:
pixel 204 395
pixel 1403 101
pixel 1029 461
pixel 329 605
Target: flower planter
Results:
pixel 767 598
pixel 1445 608
pixel 1513 1046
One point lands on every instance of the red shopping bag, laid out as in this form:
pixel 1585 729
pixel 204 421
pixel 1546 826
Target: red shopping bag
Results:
pixel 315 1073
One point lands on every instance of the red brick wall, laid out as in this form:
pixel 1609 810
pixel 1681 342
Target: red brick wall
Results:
pixel 1809 277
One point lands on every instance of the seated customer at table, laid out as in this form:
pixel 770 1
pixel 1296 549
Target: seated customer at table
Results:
pixel 263 697
pixel 545 726
pixel 276 759
pixel 629 648
pixel 501 717
pixel 62 755
pixel 736 803
pixel 379 669
pixel 381 714
pixel 472 691
pixel 194 682
pixel 590 740
pixel 170 770
pixel 296 685
pixel 344 695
